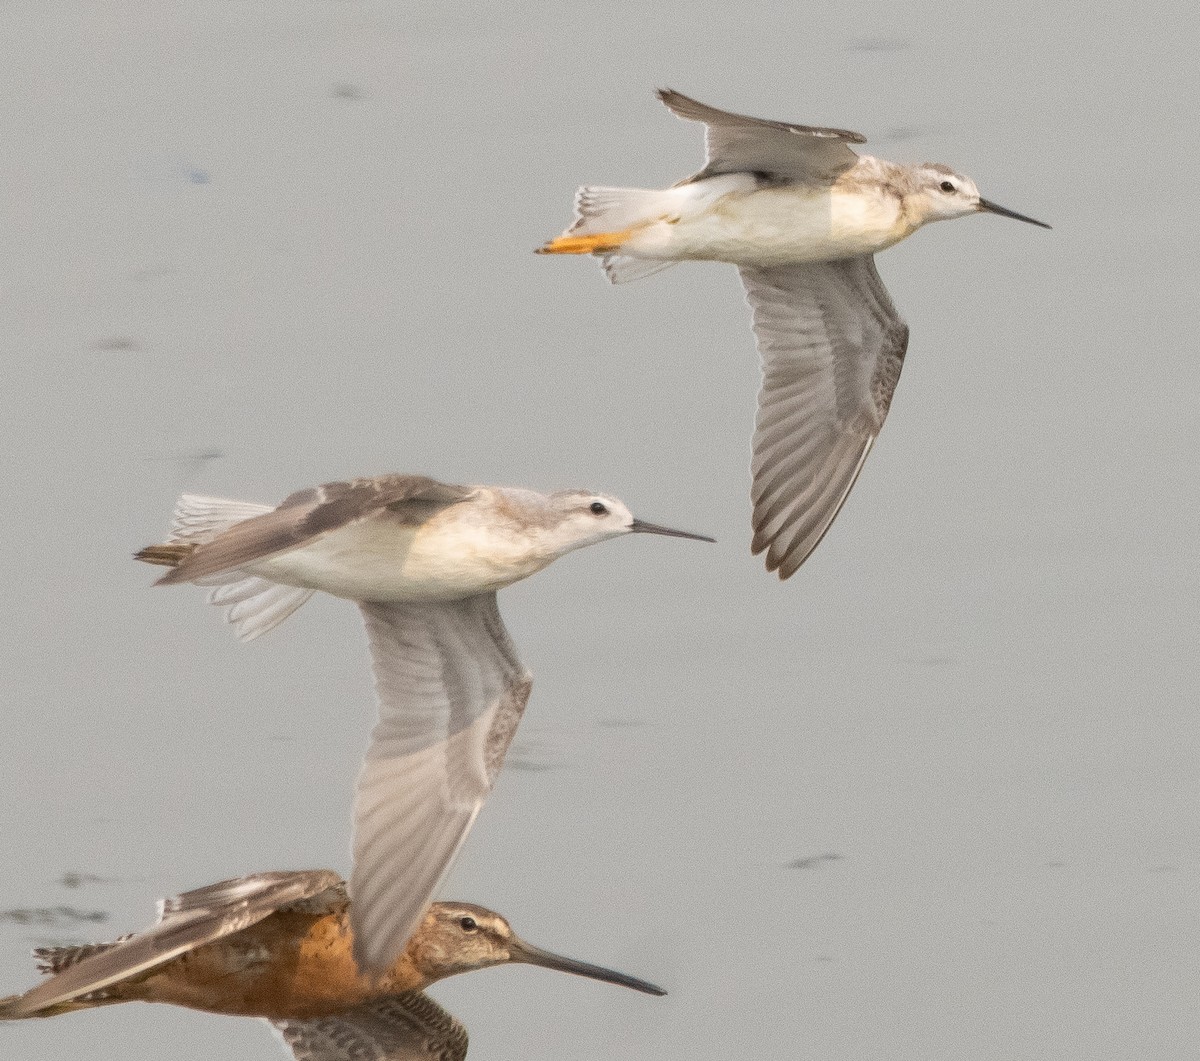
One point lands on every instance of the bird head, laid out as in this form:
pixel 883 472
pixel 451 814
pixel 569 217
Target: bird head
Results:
pixel 941 194
pixel 461 937
pixel 580 517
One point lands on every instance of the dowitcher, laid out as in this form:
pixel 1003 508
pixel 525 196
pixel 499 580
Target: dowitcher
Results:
pixel 423 560
pixel 802 216
pixel 278 946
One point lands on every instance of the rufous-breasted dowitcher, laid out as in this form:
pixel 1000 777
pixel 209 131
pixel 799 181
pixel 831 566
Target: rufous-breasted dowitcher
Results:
pixel 278 946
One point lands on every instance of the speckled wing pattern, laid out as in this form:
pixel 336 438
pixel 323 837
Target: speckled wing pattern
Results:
pixel 407 1027
pixel 451 692
pixel 309 514
pixel 185 923
pixel 740 144
pixel 832 346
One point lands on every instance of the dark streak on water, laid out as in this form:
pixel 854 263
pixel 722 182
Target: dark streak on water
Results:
pixel 813 861
pixel 75 879
pixel 118 344
pixel 52 915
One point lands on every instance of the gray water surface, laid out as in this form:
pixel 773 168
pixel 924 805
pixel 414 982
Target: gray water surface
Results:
pixel 251 247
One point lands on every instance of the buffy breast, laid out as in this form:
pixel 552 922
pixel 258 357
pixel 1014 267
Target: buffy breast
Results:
pixel 777 226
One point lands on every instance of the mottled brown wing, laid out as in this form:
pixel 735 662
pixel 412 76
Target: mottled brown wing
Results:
pixel 272 891
pixel 451 692
pixel 740 144
pixel 308 514
pixel 408 1027
pixel 832 346
pixel 185 923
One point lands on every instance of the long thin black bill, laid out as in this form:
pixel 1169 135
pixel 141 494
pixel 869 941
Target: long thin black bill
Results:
pixel 640 526
pixel 536 956
pixel 1004 211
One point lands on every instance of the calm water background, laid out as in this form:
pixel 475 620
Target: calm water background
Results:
pixel 250 247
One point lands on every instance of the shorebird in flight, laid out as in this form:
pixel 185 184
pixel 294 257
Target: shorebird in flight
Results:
pixel 802 216
pixel 423 560
pixel 278 946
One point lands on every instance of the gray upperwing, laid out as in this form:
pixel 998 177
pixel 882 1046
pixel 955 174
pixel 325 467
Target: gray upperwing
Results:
pixel 189 921
pixel 308 514
pixel 451 691
pixel 407 1027
pixel 738 143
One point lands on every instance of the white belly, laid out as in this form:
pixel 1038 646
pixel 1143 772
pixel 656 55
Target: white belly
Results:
pixel 775 226
pixel 382 560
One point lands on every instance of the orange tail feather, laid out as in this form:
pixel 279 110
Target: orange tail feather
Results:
pixel 600 243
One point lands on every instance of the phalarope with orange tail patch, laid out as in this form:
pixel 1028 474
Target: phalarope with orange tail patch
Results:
pixel 802 216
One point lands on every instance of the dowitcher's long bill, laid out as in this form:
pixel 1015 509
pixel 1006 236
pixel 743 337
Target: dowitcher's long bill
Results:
pixel 424 561
pixel 802 216
pixel 278 946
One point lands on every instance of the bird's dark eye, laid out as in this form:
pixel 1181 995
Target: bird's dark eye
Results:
pixel 948 187
pixel 467 924
pixel 598 509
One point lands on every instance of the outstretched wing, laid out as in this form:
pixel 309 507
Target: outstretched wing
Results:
pixel 832 346
pixel 408 1027
pixel 451 692
pixel 309 514
pixel 189 921
pixel 740 144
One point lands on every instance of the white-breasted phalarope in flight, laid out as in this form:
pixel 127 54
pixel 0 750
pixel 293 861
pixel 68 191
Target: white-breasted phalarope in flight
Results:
pixel 423 560
pixel 802 216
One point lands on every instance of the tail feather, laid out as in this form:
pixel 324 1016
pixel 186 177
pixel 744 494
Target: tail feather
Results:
pixel 200 519
pixel 197 520
pixel 11 1008
pixel 606 209
pixel 169 554
pixel 52 960
pixel 594 243
pixel 605 218
pixel 253 605
pixel 621 268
